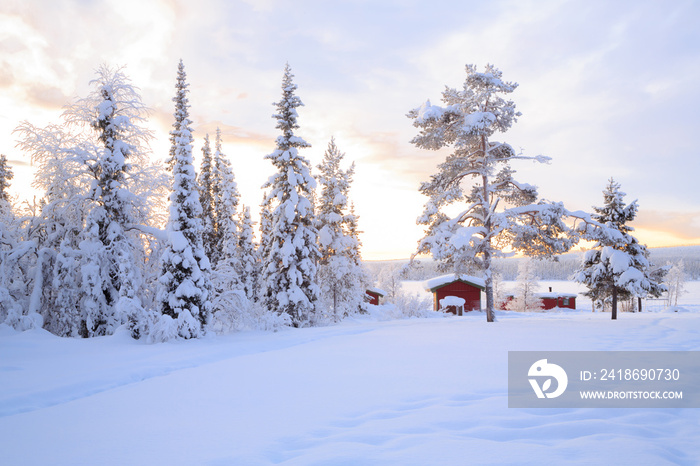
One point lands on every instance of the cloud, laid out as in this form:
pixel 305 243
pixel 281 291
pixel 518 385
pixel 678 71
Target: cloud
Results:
pixel 49 97
pixel 19 163
pixel 234 135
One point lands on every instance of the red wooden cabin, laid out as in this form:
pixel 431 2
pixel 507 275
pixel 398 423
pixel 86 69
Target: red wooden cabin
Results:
pixel 561 300
pixel 550 300
pixel 462 286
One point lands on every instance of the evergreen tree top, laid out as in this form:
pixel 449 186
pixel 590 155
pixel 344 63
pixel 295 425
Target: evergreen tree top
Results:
pixel 115 111
pixel 614 210
pixel 286 114
pixel 182 124
pixel 334 180
pixel 476 111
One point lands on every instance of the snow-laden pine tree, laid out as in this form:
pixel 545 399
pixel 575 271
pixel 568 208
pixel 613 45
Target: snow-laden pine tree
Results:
pixel 476 180
pixel 236 274
pixel 353 230
pixel 289 266
pixel 6 176
pixel 364 277
pixel 249 272
pixel 115 111
pixel 525 298
pixel 340 274
pixel 617 267
pixel 185 279
pixel 10 306
pixel 206 198
pixel 265 229
pixel 227 262
pixel 99 196
pixel 7 216
pixel 226 200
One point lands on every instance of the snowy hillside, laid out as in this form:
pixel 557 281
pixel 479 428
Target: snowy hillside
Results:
pixel 403 392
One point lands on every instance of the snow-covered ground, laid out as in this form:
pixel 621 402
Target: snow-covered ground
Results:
pixel 406 392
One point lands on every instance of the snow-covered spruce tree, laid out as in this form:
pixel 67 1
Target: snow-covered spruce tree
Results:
pixel 363 276
pixel 10 305
pixel 524 298
pixel 227 268
pixel 115 112
pixel 235 277
pixel 289 266
pixel 206 198
pixel 6 176
pixel 67 315
pixel 249 261
pixel 340 274
pixel 617 267
pixel 99 189
pixel 265 228
pixel 226 200
pixel 353 231
pixel 497 211
pixel 186 271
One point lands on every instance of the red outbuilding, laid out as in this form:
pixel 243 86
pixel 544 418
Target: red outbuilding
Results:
pixel 374 295
pixel 461 286
pixel 553 300
pixel 550 300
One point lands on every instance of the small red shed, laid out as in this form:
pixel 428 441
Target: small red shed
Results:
pixel 550 300
pixel 461 286
pixel 561 300
pixel 374 295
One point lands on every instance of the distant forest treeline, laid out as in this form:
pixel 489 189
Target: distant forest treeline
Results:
pixel 560 269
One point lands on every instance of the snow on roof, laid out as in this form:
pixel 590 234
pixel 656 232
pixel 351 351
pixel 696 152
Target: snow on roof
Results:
pixel 554 294
pixel 443 280
pixel 548 294
pixel 374 289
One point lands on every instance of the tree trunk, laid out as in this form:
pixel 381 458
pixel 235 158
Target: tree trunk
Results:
pixel 335 304
pixel 639 304
pixel 490 314
pixel 614 303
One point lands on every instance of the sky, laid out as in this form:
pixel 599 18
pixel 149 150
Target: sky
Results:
pixel 606 89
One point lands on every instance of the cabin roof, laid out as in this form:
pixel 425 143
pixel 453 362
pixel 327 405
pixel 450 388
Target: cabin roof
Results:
pixel 549 294
pixel 374 289
pixel 439 282
pixel 554 294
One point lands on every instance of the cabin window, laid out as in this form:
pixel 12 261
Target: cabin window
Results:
pixel 566 301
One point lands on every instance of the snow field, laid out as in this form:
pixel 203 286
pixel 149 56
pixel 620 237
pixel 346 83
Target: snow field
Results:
pixel 404 392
